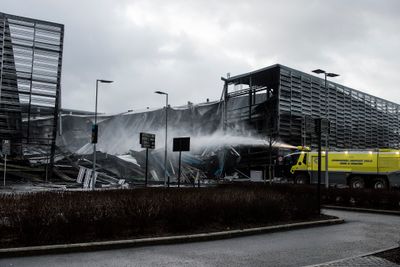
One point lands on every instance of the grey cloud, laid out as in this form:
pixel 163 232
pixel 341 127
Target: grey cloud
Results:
pixel 186 57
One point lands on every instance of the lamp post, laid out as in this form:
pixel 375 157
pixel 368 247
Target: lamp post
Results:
pixel 166 134
pixel 327 74
pixel 95 131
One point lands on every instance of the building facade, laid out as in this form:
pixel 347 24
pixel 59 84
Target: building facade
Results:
pixel 30 83
pixel 277 100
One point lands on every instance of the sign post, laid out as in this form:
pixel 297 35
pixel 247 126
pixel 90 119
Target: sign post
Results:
pixel 179 169
pixel 147 140
pixel 6 149
pixel 325 128
pixel 180 144
pixel 318 127
pixel 321 126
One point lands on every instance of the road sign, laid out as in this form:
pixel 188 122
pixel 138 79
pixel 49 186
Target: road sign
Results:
pixel 181 144
pixel 6 147
pixel 315 125
pixel 147 140
pixel 322 125
pixel 325 125
pixel 309 124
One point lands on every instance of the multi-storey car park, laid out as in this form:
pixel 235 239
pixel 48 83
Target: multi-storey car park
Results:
pixel 277 101
pixel 30 76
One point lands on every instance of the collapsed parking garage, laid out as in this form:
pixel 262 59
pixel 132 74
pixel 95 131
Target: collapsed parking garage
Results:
pixel 261 115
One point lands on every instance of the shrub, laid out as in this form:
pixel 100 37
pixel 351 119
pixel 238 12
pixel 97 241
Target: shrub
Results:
pixel 50 217
pixel 365 198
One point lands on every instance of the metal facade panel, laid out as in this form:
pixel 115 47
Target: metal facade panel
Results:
pixel 30 73
pixel 358 120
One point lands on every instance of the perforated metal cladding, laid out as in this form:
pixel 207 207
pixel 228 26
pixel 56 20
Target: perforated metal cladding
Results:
pixel 30 76
pixel 358 120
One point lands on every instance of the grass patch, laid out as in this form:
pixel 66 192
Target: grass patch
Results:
pixel 70 217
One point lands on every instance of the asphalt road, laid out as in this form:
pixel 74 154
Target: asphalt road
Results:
pixel 362 233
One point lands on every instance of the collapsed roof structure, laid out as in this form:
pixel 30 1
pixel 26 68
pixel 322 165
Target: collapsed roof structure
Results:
pixel 211 150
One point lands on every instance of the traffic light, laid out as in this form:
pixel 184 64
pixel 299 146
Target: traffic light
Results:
pixel 94 133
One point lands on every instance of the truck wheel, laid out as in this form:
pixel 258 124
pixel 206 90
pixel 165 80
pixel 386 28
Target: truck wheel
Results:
pixel 301 179
pixel 357 182
pixel 380 183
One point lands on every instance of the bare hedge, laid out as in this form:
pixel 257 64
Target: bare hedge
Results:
pixel 69 217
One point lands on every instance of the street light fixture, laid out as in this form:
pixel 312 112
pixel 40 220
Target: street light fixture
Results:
pixel 327 74
pixel 166 134
pixel 332 74
pixel 95 131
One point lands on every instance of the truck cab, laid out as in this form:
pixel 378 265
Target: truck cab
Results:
pixel 294 167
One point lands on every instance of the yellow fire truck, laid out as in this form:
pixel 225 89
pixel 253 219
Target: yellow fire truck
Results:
pixel 357 169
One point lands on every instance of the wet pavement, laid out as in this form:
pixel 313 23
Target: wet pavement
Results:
pixel 362 233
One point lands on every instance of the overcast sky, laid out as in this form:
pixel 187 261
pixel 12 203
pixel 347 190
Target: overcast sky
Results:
pixel 184 47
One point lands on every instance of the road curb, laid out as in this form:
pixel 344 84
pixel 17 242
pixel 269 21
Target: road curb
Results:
pixel 386 212
pixel 151 241
pixel 353 257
